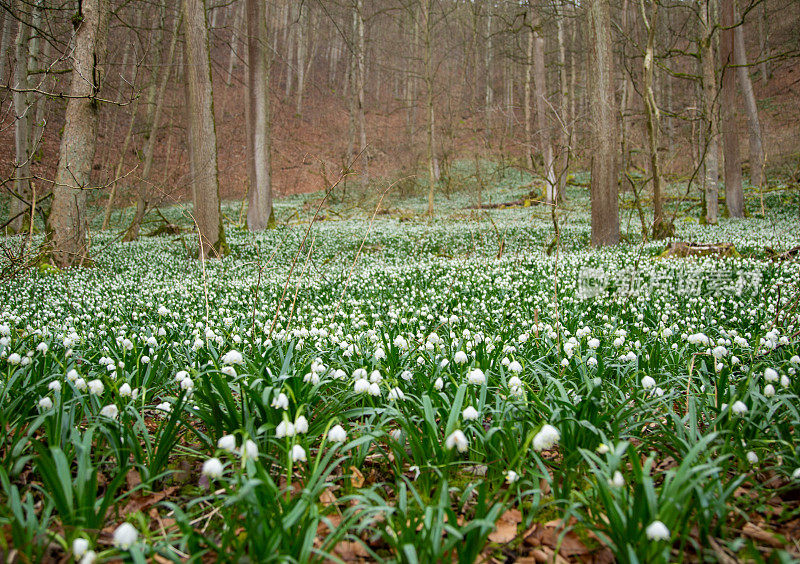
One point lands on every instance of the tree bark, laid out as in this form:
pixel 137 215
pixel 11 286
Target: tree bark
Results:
pixel 426 22
pixel 603 126
pixel 360 70
pixel 259 197
pixel 563 153
pixel 527 101
pixel 66 242
pixel 542 120
pixel 5 40
pixel 710 149
pixel 202 139
pixel 22 118
pixel 757 157
pixel 234 55
pixel 734 199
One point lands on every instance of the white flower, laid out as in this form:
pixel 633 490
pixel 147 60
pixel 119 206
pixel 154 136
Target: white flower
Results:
pixel 212 468
pixel 380 354
pixel 337 434
pixel 79 547
pixel 125 390
pixel 164 406
pixel 96 387
pixel 42 347
pixel 785 381
pixel 72 375
pixel 111 411
pixel 796 474
pixel 397 436
pixel 88 557
pixel 438 384
pixel 187 384
pixel 298 454
pixel 360 374
pixel 285 429
pixel 460 357
pixel 339 374
pixel 770 375
pixel 301 424
pixel 657 531
pixel 376 377
pixel 227 442
pixel 458 440
pixel 361 386
pixel 617 481
pixel 648 382
pixel 229 371
pixel 396 394
pixel 415 470
pixel 511 476
pixel 602 448
pixel 374 389
pixel 476 376
pixel 594 343
pixel 125 536
pixel 249 450
pixel 795 359
pixel 515 367
pixel 280 401
pixel 738 408
pixel 55 386
pixel 14 358
pixel 769 390
pixel 752 457
pixel 45 403
pixel 80 384
pixel 406 375
pixel 546 438
pixel 232 357
pixel 470 414
pixel 181 375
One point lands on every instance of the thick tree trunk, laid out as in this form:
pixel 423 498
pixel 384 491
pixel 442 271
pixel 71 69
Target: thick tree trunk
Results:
pixel 757 157
pixel 542 120
pixel 603 125
pixel 22 117
pixel 302 47
pixel 5 41
pixel 360 79
pixel 734 199
pixel 488 94
pixel 202 139
pixel 259 197
pixel 66 241
pixel 710 147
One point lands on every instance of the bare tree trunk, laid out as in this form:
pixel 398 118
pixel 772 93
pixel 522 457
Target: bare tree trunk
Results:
pixel 234 56
pixel 488 95
pixel 763 40
pixel 302 40
pixel 66 242
pixel 563 105
pixel 112 194
pixel 661 228
pixel 734 199
pixel 757 157
pixel 202 132
pixel 360 70
pixel 527 102
pixel 290 50
pixel 143 189
pixel 22 116
pixel 710 149
pixel 426 22
pixel 542 120
pixel 603 129
pixel 259 197
pixel 5 40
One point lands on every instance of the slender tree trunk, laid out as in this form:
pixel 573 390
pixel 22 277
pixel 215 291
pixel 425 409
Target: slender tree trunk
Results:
pixel 290 49
pixel 259 198
pixel 734 199
pixel 234 55
pixel 763 40
pixel 488 94
pixel 360 79
pixel 202 133
pixel 563 104
pixel 22 117
pixel 66 241
pixel 603 125
pixel 757 157
pixel 112 194
pixel 542 119
pixel 426 22
pixel 660 227
pixel 527 102
pixel 143 191
pixel 302 40
pixel 5 40
pixel 710 149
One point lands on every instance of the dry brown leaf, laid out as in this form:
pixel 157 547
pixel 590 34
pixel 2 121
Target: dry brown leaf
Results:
pixel 758 534
pixel 505 529
pixel 133 478
pixel 350 551
pixel 356 478
pixel 327 498
pixel 138 503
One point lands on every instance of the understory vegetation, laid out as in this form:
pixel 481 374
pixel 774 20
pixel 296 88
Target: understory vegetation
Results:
pixel 388 387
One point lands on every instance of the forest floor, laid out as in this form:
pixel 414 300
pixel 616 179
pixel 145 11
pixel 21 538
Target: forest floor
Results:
pixel 365 383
